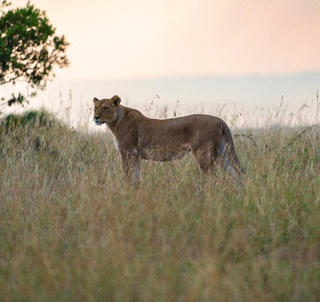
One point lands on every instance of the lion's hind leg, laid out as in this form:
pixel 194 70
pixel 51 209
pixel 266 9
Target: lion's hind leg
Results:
pixel 206 156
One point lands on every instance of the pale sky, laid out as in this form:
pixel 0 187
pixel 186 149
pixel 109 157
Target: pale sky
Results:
pixel 119 39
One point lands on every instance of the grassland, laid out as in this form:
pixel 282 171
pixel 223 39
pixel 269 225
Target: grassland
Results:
pixel 72 230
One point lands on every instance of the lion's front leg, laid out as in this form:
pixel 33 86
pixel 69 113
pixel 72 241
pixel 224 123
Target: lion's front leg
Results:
pixel 131 167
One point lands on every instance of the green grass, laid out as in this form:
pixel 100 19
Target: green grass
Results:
pixel 71 229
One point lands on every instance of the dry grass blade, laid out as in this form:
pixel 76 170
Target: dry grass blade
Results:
pixel 250 137
pixel 294 138
pixel 72 230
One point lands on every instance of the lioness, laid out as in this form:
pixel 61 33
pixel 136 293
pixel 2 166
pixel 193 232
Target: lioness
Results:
pixel 139 137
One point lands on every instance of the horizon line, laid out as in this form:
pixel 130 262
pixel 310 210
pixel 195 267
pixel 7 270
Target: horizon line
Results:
pixel 145 78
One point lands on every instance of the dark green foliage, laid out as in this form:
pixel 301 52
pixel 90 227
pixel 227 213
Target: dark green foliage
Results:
pixel 29 48
pixel 28 119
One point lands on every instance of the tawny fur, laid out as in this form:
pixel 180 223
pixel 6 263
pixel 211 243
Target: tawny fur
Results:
pixel 139 137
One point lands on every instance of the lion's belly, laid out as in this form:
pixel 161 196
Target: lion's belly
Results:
pixel 164 153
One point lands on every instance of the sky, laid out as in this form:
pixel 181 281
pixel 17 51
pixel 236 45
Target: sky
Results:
pixel 124 39
pixel 234 54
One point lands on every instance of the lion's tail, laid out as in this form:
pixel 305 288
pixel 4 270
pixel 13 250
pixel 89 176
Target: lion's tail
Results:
pixel 228 154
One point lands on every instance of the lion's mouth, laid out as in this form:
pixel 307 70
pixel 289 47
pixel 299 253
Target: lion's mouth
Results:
pixel 98 122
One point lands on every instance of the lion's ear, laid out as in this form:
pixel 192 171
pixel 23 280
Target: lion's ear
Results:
pixel 95 101
pixel 116 100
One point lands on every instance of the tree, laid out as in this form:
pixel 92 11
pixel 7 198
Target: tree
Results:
pixel 29 48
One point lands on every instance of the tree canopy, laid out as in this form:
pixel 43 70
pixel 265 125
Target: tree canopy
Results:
pixel 29 48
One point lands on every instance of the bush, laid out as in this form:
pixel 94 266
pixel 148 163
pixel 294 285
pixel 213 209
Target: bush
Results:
pixel 32 119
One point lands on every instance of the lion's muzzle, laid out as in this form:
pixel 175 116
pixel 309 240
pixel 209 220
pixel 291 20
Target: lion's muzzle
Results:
pixel 96 120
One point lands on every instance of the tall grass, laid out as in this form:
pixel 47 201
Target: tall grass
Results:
pixel 71 229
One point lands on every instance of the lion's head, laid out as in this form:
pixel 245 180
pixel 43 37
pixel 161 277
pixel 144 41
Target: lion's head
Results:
pixel 105 110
